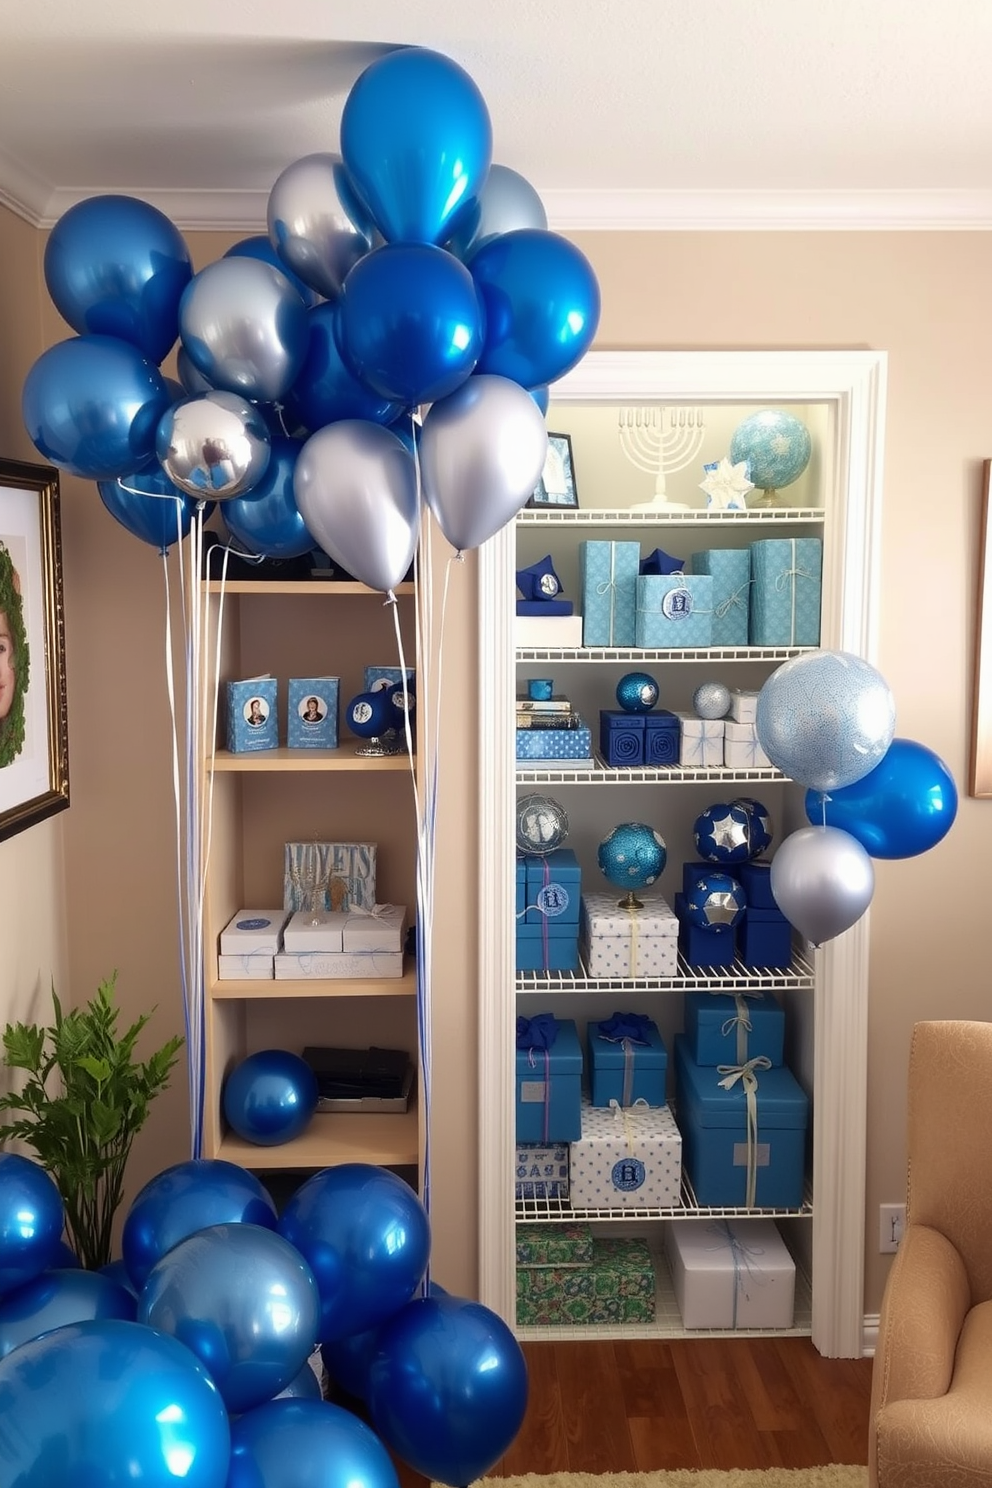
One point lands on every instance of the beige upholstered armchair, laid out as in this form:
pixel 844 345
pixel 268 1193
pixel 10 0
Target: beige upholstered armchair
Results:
pixel 931 1409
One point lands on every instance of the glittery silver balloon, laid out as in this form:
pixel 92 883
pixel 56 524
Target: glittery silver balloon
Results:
pixel 825 719
pixel 711 700
pixel 542 824
pixel 215 445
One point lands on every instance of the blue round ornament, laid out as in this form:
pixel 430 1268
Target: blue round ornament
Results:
pixel 715 902
pixel 270 1097
pixel 370 714
pixel 723 834
pixel 637 692
pixel 760 824
pixel 776 446
pixel 632 855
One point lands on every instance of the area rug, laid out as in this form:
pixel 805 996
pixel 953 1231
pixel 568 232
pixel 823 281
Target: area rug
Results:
pixel 772 1477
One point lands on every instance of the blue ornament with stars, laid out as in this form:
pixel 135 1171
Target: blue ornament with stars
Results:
pixel 715 902
pixel 637 692
pixel 723 834
pixel 762 831
pixel 632 855
pixel 776 446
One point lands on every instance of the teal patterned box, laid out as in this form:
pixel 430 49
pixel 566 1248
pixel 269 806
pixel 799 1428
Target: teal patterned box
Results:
pixel 730 570
pixel 568 1244
pixel 674 611
pixel 785 591
pixel 618 1286
pixel 607 582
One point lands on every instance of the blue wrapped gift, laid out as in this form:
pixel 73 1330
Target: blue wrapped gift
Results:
pixel 545 607
pixel 755 879
pixel 553 887
pixel 541 1172
pixel 662 737
pixel 549 1080
pixel 521 886
pixel 730 570
pixel 660 562
pixel 547 947
pixel 764 938
pixel 555 743
pixel 539 581
pixel 701 946
pixel 730 1027
pixel 785 591
pixel 725 1168
pixel 673 611
pixel 628 1061
pixel 621 736
pixel 607 579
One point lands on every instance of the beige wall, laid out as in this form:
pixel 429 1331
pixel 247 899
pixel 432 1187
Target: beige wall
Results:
pixel 917 296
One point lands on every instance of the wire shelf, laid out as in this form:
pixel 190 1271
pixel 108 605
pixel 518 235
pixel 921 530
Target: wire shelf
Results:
pixel 733 978
pixel 643 655
pixel 576 517
pixel 560 1211
pixel 599 773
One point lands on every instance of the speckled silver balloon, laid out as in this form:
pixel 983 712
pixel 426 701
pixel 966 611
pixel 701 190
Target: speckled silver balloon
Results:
pixel 711 700
pixel 825 719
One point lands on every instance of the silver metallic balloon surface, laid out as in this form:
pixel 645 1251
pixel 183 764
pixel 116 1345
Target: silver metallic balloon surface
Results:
pixel 244 327
pixel 356 489
pixel 482 451
pixel 310 224
pixel 215 445
pixel 825 719
pixel 506 202
pixel 823 881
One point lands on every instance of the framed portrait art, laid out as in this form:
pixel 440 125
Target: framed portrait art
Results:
pixel 557 484
pixel 34 748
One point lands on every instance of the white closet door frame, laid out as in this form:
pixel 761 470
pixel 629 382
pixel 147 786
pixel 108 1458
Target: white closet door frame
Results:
pixel 852 385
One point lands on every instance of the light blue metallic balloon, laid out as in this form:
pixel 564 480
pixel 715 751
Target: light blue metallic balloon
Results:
pixel 91 406
pixel 303 1386
pixel 326 390
pixel 506 202
pixel 149 506
pixel 542 305
pixel 901 808
pixel 116 266
pixel 314 222
pixel 776 446
pixel 448 1388
pixel 117 1271
pixel 244 327
pixel 266 521
pixel 411 324
pixel 31 1219
pixel 244 1301
pixel 289 1443
pixel 366 1237
pixel 185 1198
pixel 823 881
pixel 632 855
pixel 270 1097
pixel 825 719
pixel 214 445
pixel 416 140
pixel 258 246
pixel 56 1298
pixel 110 1402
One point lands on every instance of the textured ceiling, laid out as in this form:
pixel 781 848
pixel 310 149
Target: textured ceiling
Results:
pixel 653 112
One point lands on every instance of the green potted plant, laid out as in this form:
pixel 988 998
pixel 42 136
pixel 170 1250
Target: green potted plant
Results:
pixel 82 1104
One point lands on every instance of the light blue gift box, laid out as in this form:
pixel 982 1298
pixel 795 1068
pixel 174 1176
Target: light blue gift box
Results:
pixel 785 591
pixel 607 581
pixel 674 611
pixel 730 570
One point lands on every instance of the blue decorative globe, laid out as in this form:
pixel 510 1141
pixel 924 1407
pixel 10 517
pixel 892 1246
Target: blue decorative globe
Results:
pixel 761 829
pixel 723 834
pixel 370 714
pixel 776 446
pixel 632 856
pixel 638 693
pixel 716 902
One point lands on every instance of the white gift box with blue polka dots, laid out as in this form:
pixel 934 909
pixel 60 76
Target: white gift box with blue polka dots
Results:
pixel 626 1159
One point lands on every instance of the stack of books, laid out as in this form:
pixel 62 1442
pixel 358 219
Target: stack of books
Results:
pixel 550 732
pixel 552 712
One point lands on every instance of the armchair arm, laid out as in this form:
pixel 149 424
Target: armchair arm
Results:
pixel 927 1298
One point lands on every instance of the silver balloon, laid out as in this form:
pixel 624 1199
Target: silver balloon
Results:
pixel 825 719
pixel 355 485
pixel 244 327
pixel 823 881
pixel 506 202
pixel 215 445
pixel 482 450
pixel 312 216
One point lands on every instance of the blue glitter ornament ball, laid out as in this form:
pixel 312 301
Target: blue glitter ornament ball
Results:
pixel 723 834
pixel 761 829
pixel 638 693
pixel 776 446
pixel 632 856
pixel 716 900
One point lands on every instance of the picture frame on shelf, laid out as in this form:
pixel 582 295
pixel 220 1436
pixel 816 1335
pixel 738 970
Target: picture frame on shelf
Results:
pixel 557 484
pixel 34 750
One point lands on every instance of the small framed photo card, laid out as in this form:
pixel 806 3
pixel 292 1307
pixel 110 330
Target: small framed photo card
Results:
pixel 557 484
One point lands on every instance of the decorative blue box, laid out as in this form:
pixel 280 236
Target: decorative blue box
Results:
pixel 711 1026
pixel 641 1067
pixel 621 736
pixel 547 947
pixel 674 611
pixel 730 569
pixel 545 607
pixel 702 947
pixel 662 737
pixel 785 591
pixel 755 879
pixel 252 715
pixel 553 887
pixel 555 743
pixel 549 1091
pixel 377 677
pixel 521 888
pixel 713 1123
pixel 693 872
pixel 607 580
pixel 764 938
pixel 541 1172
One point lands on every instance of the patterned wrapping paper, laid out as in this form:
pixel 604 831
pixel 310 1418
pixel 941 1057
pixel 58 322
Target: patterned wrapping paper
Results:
pixel 541 1172
pixel 626 1159
pixel 619 943
pixel 608 577
pixel 554 1244
pixel 618 1286
pixel 785 591
pixel 674 612
pixel 730 570
pixel 555 743
pixel 329 875
pixel 701 741
pixel 578 1311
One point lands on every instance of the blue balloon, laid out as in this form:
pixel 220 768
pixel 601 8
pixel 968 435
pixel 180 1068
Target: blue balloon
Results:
pixel 303 1386
pixel 185 1198
pixel 91 406
pixel 110 1402
pixel 31 1220
pixel 66 1258
pixel 411 324
pixel 261 247
pixel 116 266
pixel 417 143
pixel 57 1298
pixel 289 1443
pixel 366 1237
pixel 348 1361
pixel 270 1097
pixel 370 714
pixel 901 808
pixel 244 1301
pixel 541 396
pixel 150 506
pixel 325 389
pixel 191 378
pixel 448 1388
pixel 118 1272
pixel 542 305
pixel 266 520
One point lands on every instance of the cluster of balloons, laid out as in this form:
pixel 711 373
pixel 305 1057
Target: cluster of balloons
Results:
pixel 188 1359
pixel 390 339
pixel 827 720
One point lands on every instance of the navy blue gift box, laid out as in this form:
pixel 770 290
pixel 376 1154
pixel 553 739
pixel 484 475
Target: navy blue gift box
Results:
pixel 701 946
pixel 693 872
pixel 545 607
pixel 764 938
pixel 639 738
pixel 755 879
pixel 662 737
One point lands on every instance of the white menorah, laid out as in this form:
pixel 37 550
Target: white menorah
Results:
pixel 661 441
